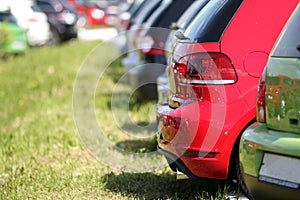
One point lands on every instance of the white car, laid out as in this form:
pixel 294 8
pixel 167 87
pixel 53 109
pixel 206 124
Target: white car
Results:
pixel 32 20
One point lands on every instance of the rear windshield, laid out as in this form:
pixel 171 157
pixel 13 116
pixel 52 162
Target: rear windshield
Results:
pixel 7 17
pixel 190 13
pixel 212 20
pixel 288 45
pixel 172 13
pixel 135 7
pixel 145 11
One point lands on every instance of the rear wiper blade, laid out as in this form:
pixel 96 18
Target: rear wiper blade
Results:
pixel 298 47
pixel 181 36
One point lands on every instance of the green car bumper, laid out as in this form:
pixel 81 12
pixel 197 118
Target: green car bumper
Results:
pixel 270 162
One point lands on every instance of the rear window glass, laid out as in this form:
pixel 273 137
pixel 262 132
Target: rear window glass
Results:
pixel 145 11
pixel 7 17
pixel 172 13
pixel 135 7
pixel 190 13
pixel 212 20
pixel 288 44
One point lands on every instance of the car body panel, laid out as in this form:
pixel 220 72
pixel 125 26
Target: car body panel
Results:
pixel 257 140
pixel 259 35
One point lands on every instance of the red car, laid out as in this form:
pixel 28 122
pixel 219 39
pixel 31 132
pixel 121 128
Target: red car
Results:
pixel 213 73
pixel 90 14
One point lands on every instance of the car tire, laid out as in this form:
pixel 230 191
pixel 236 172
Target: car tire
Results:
pixel 54 39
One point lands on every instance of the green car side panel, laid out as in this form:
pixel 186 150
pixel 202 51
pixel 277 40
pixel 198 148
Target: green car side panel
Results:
pixel 283 94
pixel 258 138
pixel 13 38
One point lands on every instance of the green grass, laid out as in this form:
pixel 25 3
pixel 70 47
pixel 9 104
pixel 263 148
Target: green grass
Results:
pixel 41 155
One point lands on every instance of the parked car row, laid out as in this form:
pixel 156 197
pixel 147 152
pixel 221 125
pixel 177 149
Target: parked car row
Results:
pixel 229 100
pixel 51 22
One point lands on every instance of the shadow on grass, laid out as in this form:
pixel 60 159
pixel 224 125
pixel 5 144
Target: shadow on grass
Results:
pixel 138 146
pixel 163 186
pixel 149 128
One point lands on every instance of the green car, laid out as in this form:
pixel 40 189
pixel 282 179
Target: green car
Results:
pixel 270 148
pixel 12 37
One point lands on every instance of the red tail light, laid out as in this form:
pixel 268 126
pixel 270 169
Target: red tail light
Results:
pixel 206 68
pixel 32 20
pixel 260 99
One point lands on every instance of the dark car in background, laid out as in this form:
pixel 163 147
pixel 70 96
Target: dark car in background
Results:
pixel 213 72
pixel 124 18
pixel 151 44
pixel 89 14
pixel 62 19
pixel 270 148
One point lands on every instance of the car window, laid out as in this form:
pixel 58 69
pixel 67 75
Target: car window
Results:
pixel 153 18
pixel 190 13
pixel 211 21
pixel 135 7
pixel 145 11
pixel 35 8
pixel 48 7
pixel 173 12
pixel 7 17
pixel 288 44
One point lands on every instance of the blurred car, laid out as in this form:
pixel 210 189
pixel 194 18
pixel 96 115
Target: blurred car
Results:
pixel 137 21
pixel 62 19
pixel 89 14
pixel 213 73
pixel 12 36
pixel 32 20
pixel 151 43
pixel 124 23
pixel 270 148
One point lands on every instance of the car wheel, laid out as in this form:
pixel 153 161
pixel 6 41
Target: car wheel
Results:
pixel 235 180
pixel 54 39
pixel 172 165
pixel 241 181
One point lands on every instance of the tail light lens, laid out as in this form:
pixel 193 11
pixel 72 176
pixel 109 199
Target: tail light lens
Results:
pixel 97 14
pixel 206 68
pixel 260 99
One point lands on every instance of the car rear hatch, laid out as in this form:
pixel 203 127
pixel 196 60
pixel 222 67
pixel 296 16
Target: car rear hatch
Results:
pixel 196 62
pixel 283 80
